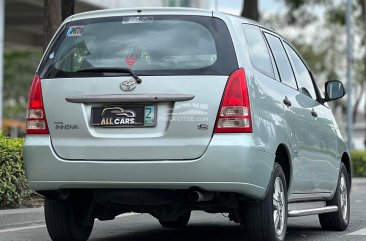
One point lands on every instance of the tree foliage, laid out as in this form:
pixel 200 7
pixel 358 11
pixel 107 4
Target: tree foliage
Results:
pixel 13 184
pixel 359 163
pixel 19 69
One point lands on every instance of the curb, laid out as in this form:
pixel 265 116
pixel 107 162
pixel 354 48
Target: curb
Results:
pixel 21 217
pixel 359 180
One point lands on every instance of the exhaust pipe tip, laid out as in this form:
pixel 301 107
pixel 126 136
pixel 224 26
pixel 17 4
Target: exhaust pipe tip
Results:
pixel 64 194
pixel 200 196
pixel 193 196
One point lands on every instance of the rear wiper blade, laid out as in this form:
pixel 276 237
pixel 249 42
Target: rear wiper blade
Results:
pixel 113 70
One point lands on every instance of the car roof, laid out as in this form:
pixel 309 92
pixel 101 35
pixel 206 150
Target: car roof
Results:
pixel 163 11
pixel 151 11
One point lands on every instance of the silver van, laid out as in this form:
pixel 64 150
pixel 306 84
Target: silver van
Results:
pixel 165 111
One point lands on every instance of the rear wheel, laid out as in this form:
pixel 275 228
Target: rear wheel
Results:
pixel 180 222
pixel 66 221
pixel 338 221
pixel 267 219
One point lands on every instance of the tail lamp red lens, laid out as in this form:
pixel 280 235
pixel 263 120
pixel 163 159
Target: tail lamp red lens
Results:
pixel 36 117
pixel 234 114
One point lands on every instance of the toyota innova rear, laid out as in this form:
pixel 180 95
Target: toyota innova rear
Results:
pixel 141 101
pixel 158 111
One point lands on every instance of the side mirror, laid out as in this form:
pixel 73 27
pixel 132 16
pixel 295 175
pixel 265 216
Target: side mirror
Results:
pixel 333 90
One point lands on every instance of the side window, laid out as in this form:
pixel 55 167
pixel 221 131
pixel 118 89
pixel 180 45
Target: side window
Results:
pixel 303 77
pixel 282 62
pixel 258 51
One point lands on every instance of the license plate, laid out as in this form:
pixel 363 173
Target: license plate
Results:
pixel 124 116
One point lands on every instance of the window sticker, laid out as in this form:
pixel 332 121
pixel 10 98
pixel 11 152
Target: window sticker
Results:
pixel 52 55
pixel 130 20
pixel 75 31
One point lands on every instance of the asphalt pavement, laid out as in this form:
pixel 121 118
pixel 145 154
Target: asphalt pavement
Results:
pixel 203 226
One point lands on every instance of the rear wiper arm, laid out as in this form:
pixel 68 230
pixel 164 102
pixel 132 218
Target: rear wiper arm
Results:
pixel 113 70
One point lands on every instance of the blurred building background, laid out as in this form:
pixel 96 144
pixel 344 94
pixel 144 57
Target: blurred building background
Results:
pixel 24 22
pixel 301 23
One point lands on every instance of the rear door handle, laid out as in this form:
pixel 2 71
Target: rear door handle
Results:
pixel 313 113
pixel 287 102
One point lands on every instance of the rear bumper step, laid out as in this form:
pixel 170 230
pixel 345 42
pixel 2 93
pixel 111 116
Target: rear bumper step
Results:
pixel 305 212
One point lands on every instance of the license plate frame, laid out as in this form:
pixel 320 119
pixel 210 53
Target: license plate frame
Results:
pixel 124 116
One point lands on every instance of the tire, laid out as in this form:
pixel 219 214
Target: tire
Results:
pixel 64 223
pixel 259 217
pixel 180 222
pixel 338 221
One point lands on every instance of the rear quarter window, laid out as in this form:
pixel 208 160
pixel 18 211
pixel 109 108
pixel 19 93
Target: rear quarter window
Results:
pixel 150 45
pixel 258 51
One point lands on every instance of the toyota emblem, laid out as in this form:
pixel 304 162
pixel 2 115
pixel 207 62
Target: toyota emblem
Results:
pixel 128 85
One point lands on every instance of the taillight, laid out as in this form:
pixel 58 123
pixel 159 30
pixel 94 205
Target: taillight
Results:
pixel 36 117
pixel 234 114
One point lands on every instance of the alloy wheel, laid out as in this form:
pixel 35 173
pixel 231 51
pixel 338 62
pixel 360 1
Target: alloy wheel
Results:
pixel 344 197
pixel 279 206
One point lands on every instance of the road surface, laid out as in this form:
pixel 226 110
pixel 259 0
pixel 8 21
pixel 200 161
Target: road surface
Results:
pixel 203 226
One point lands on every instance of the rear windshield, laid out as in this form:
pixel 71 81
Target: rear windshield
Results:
pixel 149 45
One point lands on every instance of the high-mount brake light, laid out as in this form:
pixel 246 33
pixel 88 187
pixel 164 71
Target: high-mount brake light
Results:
pixel 36 117
pixel 234 114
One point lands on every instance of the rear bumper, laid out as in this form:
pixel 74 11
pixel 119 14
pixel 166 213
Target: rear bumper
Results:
pixel 231 163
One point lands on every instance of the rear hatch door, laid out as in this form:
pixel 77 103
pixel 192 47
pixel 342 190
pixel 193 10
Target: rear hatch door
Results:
pixel 184 63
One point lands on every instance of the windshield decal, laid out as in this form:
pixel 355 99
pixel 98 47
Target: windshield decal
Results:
pixel 75 31
pixel 130 20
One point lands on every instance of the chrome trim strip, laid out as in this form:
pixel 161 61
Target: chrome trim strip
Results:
pixel 305 212
pixel 306 205
pixel 307 197
pixel 129 98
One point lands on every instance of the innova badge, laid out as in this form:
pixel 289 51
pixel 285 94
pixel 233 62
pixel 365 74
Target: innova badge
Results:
pixel 128 85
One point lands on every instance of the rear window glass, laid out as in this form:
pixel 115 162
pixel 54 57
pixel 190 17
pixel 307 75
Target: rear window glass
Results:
pixel 154 45
pixel 258 50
